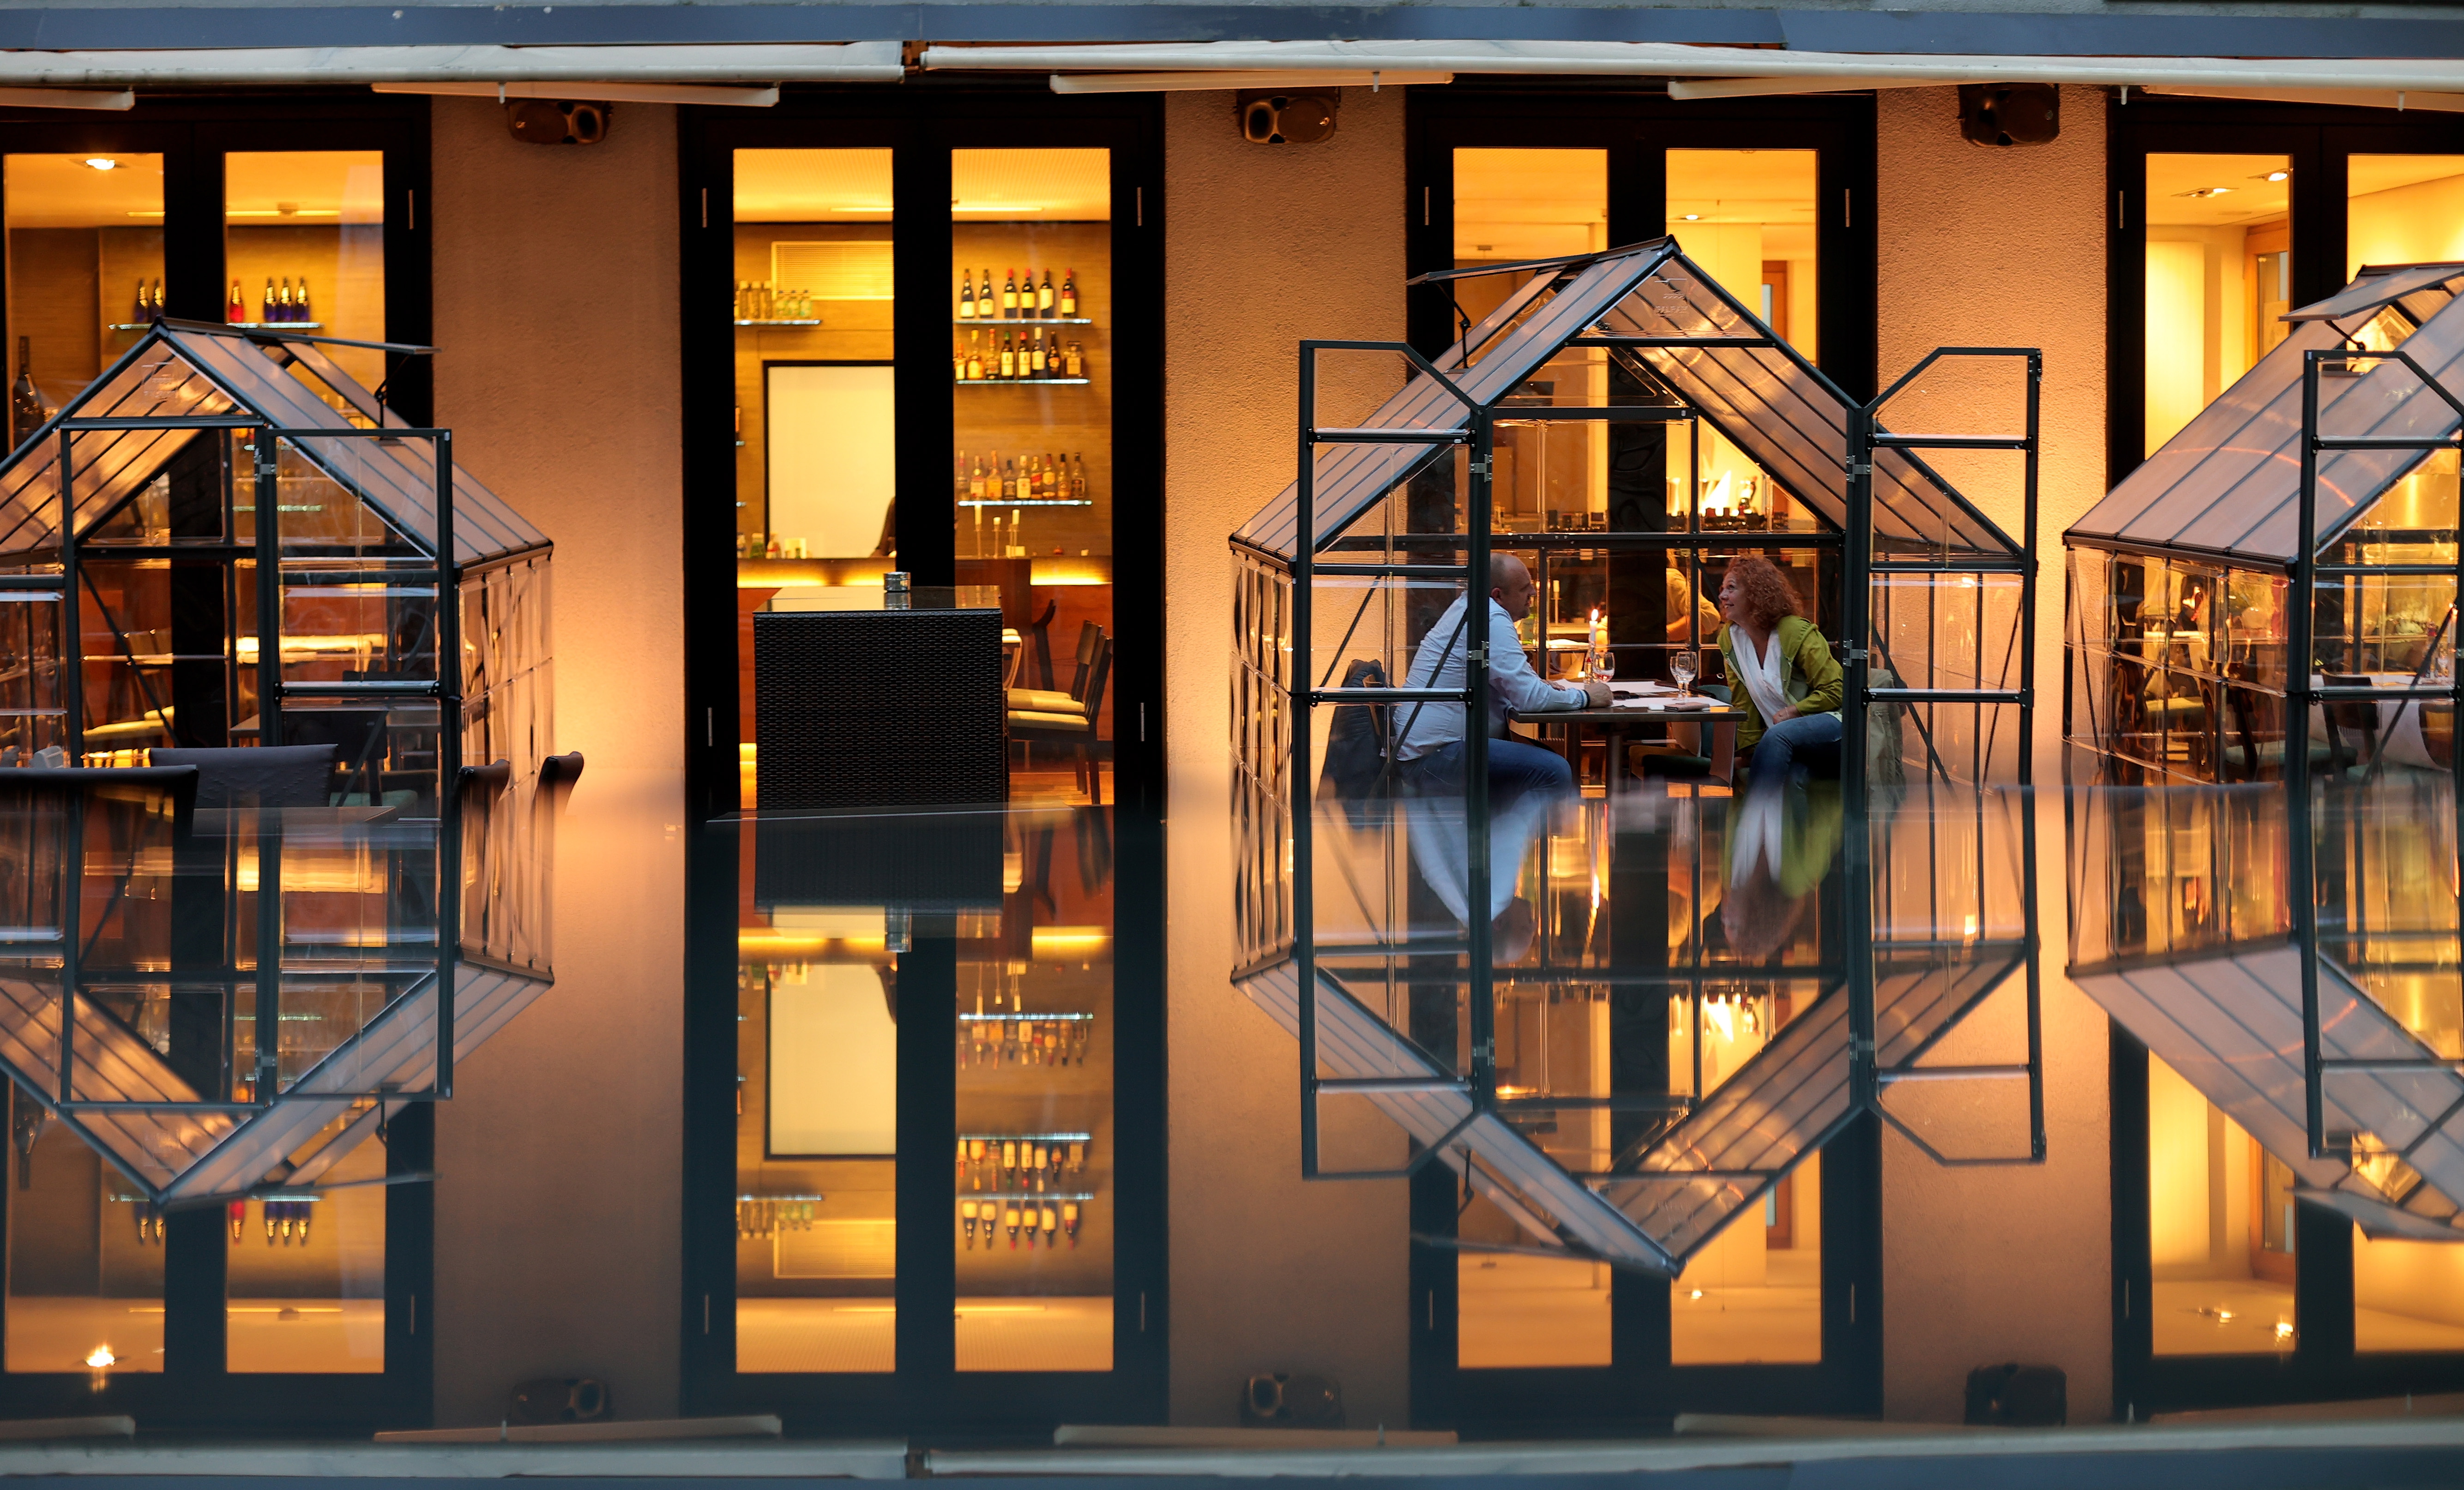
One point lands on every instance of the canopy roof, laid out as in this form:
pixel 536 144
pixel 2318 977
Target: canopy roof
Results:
pixel 2230 1025
pixel 1768 401
pixel 190 369
pixel 2229 483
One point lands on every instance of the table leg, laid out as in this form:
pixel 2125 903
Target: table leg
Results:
pixel 1724 752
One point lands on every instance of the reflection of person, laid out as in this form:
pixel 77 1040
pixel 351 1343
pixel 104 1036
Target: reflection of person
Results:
pixel 1785 677
pixel 888 547
pixel 1781 843
pixel 1441 853
pixel 1689 615
pixel 1431 750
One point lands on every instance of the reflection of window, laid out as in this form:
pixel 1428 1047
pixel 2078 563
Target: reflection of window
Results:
pixel 2402 210
pixel 85 265
pixel 2218 1288
pixel 2218 277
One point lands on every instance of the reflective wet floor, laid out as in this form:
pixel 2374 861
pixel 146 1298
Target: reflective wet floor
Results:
pixel 1564 1120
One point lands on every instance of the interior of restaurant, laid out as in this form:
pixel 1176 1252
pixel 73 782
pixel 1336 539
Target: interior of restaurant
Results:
pixel 1031 466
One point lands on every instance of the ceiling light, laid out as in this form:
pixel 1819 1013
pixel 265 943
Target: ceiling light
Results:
pixel 2279 176
pixel 100 162
pixel 1693 217
pixel 101 1357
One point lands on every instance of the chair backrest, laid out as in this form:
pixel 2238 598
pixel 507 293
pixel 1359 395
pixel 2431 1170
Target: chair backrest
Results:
pixel 1099 670
pixel 264 776
pixel 1090 640
pixel 2358 715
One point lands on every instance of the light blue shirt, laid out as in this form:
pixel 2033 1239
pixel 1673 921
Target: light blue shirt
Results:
pixel 1440 663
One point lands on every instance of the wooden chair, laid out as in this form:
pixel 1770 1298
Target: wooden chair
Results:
pixel 2355 716
pixel 1070 718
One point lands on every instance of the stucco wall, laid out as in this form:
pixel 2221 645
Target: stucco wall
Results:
pixel 2005 248
pixel 557 1249
pixel 1264 245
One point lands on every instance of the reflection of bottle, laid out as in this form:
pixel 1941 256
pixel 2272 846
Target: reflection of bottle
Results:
pixel 967 1218
pixel 238 1214
pixel 1051 1225
pixel 1069 1220
pixel 299 308
pixel 1009 1218
pixel 265 312
pixel 154 311
pixel 25 400
pixel 237 310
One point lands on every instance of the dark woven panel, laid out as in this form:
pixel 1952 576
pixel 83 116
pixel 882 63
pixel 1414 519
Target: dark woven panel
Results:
pixel 878 708
pixel 930 861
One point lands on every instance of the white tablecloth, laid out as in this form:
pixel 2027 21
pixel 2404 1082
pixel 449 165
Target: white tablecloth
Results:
pixel 2400 741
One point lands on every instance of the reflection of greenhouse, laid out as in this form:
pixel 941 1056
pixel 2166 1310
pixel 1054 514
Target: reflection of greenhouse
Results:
pixel 196 624
pixel 2283 973
pixel 200 1066
pixel 2309 512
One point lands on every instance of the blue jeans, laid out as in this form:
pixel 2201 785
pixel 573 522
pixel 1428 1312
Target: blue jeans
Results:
pixel 1808 743
pixel 1514 769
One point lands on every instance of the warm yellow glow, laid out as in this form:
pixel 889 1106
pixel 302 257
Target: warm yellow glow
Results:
pixel 1054 940
pixel 101 1357
pixel 780 944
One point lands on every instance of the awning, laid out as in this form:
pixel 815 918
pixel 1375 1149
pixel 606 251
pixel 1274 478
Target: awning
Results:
pixel 1722 72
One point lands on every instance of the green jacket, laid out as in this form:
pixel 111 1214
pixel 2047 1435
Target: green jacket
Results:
pixel 1814 683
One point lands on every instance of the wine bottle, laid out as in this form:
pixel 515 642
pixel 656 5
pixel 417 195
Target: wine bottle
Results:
pixel 1069 1220
pixel 238 1214
pixel 1009 294
pixel 1044 296
pixel 1038 338
pixel 975 359
pixel 265 310
pixel 966 296
pixel 140 316
pixel 967 1218
pixel 25 400
pixel 1009 1218
pixel 1070 293
pixel 236 310
pixel 1008 356
pixel 300 310
pixel 157 308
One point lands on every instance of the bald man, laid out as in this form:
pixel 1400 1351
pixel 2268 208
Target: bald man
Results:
pixel 1429 753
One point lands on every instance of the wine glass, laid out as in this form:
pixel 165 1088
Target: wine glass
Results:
pixel 1681 667
pixel 1604 667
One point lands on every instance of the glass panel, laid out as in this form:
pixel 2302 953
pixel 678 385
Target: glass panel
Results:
pixel 303 246
pixel 815 427
pixel 1755 1293
pixel 1516 1310
pixel 2406 1295
pixel 1035 1199
pixel 1746 216
pixel 2220 277
pixel 306 1278
pixel 2402 210
pixel 2218 1228
pixel 85 271
pixel 1515 205
pixel 1031 308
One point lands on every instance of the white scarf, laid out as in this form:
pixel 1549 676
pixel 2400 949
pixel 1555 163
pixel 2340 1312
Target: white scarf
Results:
pixel 1765 677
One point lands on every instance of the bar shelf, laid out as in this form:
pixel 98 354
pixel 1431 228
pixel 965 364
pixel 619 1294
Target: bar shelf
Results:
pixel 235 325
pixel 810 320
pixel 1041 501
pixel 1006 382
pixel 1021 320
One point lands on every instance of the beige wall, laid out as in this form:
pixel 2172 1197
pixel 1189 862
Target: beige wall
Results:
pixel 557 1220
pixel 2005 248
pixel 1264 245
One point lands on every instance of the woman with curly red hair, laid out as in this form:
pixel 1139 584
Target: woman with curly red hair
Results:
pixel 1780 670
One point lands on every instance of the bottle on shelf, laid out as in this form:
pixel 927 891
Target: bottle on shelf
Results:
pixel 25 400
pixel 265 309
pixel 1037 337
pixel 1008 357
pixel 1079 487
pixel 1009 1220
pixel 975 359
pixel 157 307
pixel 1043 297
pixel 301 309
pixel 966 296
pixel 1010 305
pixel 967 1218
pixel 1068 305
pixel 1076 362
pixel 1051 1223
pixel 236 309
pixel 1069 1220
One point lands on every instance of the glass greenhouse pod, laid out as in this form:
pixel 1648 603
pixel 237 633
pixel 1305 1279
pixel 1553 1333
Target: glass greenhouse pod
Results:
pixel 1627 427
pixel 191 622
pixel 2308 513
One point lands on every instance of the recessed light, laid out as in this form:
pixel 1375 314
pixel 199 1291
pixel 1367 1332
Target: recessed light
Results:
pixel 100 162
pixel 1693 217
pixel 2279 175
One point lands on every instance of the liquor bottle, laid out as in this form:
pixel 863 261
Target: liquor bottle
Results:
pixel 1010 494
pixel 1038 338
pixel 139 316
pixel 265 310
pixel 966 296
pixel 967 1218
pixel 1044 296
pixel 1008 356
pixel 1078 489
pixel 1070 293
pixel 740 287
pixel 1077 359
pixel 238 1214
pixel 1009 1218
pixel 300 310
pixel 975 359
pixel 157 308
pixel 1069 1220
pixel 1009 294
pixel 25 400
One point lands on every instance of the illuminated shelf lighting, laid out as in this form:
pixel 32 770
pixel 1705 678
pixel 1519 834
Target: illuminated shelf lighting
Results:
pixel 1021 320
pixel 1038 502
pixel 1039 1138
pixel 237 325
pixel 1004 383
pixel 1012 1017
pixel 813 322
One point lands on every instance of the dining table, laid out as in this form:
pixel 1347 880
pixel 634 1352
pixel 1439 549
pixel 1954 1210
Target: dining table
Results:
pixel 1638 706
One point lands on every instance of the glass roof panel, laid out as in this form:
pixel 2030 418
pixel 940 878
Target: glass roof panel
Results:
pixel 2228 483
pixel 2377 285
pixel 2230 1025
pixel 185 369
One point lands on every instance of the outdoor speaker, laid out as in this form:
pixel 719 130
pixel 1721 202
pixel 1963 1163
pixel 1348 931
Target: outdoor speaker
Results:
pixel 553 121
pixel 1288 117
pixel 2008 113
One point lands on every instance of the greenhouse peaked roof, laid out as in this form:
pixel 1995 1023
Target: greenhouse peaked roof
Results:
pixel 1785 416
pixel 191 369
pixel 2229 483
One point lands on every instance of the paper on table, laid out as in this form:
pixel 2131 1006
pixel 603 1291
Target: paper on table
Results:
pixel 1639 690
pixel 1670 701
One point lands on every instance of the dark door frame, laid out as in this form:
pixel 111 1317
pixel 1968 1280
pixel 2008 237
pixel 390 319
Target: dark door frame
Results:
pixel 922 121
pixel 194 1393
